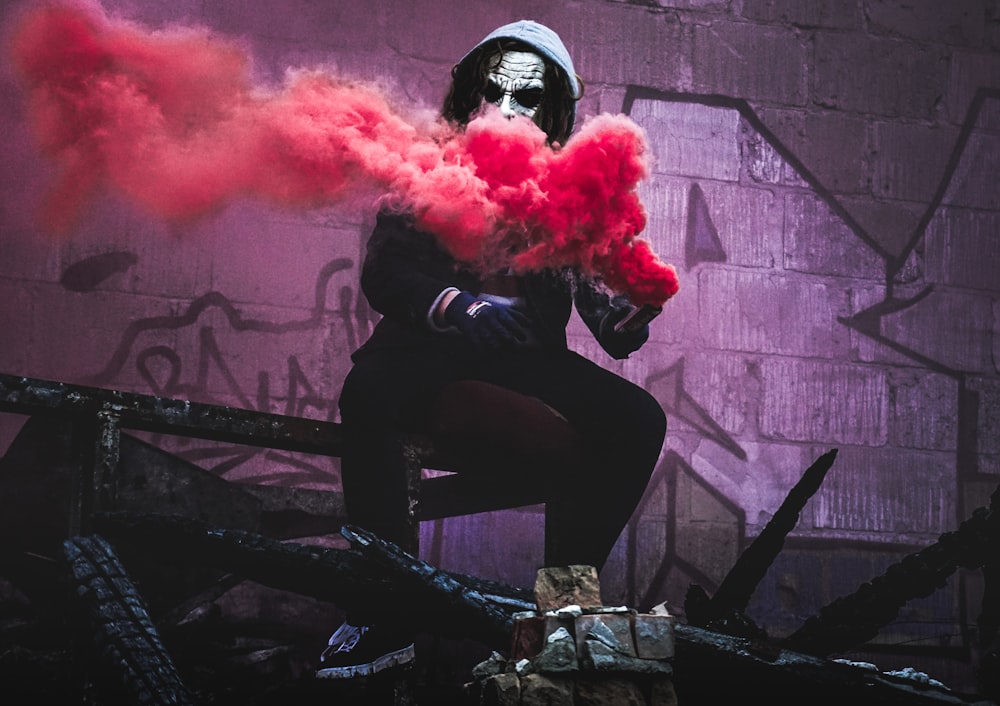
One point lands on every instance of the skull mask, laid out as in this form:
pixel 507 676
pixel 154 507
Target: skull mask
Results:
pixel 515 83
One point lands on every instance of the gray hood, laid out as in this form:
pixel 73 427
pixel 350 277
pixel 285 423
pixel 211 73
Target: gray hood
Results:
pixel 546 42
pixel 541 38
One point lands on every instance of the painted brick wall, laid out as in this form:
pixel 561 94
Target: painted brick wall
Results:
pixel 824 178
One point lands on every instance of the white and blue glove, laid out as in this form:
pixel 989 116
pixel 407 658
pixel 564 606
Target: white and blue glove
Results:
pixel 489 325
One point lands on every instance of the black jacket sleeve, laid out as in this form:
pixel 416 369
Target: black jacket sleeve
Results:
pixel 405 270
pixel 598 309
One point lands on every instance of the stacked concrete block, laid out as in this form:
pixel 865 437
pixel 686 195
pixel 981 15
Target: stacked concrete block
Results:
pixel 573 650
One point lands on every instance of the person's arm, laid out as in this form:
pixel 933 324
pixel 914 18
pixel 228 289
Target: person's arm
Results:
pixel 406 275
pixel 601 312
pixel 441 305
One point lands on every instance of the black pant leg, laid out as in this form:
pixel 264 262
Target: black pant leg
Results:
pixel 380 393
pixel 589 505
pixel 623 427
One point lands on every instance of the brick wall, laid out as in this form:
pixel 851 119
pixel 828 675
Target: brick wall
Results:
pixel 824 179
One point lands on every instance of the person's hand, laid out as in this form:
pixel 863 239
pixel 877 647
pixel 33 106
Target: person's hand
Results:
pixel 489 325
pixel 619 344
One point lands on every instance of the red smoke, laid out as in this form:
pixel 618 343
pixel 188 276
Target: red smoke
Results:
pixel 172 120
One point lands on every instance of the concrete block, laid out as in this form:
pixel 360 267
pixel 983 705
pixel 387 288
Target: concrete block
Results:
pixel 502 546
pixel 757 494
pixel 558 653
pixel 856 73
pixel 409 26
pixel 748 222
pixel 662 693
pixel 97 321
pixel 973 183
pixel 832 14
pixel 613 629
pixel 865 341
pixel 285 261
pixel 695 4
pixel 912 160
pixel 891 224
pixel 823 403
pixel 561 586
pixel 818 241
pixel 528 638
pixel 761 160
pixel 924 412
pixel 620 692
pixel 987 391
pixel 765 313
pixel 959 341
pixel 834 148
pixel 501 690
pixel 691 139
pixel 959 23
pixel 666 202
pixel 15 322
pixel 601 98
pixel 337 28
pixel 714 547
pixel 970 70
pixel 545 690
pixel 874 492
pixel 531 633
pixel 726 391
pixel 651 536
pixel 596 33
pixel 755 62
pixel 654 636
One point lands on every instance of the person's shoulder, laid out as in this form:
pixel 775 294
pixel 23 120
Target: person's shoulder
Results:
pixel 397 228
pixel 395 217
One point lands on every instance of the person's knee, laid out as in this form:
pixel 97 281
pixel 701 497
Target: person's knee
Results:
pixel 656 418
pixel 644 418
pixel 647 428
pixel 629 436
pixel 365 400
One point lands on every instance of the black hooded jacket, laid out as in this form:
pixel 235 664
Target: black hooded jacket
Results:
pixel 406 270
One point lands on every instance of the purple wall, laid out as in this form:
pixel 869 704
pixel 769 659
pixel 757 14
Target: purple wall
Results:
pixel 825 181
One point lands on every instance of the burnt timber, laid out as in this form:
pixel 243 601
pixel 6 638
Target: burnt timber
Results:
pixel 372 571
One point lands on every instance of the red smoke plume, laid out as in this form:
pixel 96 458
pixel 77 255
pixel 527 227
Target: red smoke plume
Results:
pixel 172 120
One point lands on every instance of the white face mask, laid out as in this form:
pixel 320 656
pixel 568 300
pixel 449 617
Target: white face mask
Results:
pixel 515 83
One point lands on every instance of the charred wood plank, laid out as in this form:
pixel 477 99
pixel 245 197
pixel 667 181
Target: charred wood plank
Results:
pixel 465 601
pixel 782 675
pixel 740 583
pixel 345 577
pixel 988 671
pixel 166 415
pixel 126 638
pixel 710 667
pixel 725 609
pixel 855 619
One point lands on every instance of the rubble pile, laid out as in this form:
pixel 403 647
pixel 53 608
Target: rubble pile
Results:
pixel 575 651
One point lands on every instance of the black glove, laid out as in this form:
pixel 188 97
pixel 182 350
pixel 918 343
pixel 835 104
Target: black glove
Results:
pixel 489 325
pixel 619 344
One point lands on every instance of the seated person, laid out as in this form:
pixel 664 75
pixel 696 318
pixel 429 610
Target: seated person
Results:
pixel 443 322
